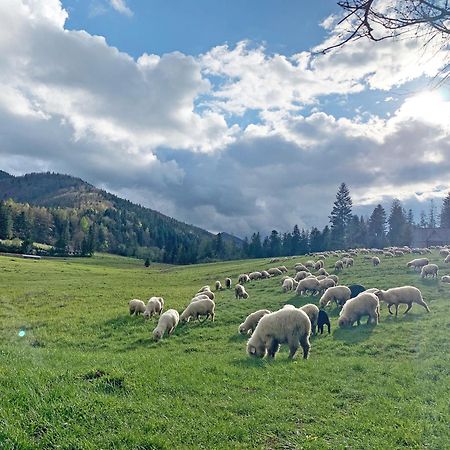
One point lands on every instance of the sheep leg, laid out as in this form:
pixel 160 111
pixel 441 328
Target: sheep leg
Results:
pixel 293 346
pixel 212 316
pixel 304 342
pixel 320 328
pixel 272 347
pixel 408 308
pixel 389 308
pixel 358 321
pixel 396 310
pixel 329 327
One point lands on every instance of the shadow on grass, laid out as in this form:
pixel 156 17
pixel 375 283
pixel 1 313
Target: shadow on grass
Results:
pixel 355 334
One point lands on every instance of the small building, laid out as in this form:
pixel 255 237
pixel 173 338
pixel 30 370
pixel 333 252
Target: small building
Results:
pixel 426 237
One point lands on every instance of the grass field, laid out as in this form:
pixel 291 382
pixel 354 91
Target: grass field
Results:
pixel 77 372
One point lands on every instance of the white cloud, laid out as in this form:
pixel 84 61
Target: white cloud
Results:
pixel 121 7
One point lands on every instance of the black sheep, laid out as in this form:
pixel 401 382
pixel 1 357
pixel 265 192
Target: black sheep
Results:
pixel 356 289
pixel 322 320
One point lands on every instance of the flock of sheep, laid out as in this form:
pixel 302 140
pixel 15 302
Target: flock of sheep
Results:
pixel 293 326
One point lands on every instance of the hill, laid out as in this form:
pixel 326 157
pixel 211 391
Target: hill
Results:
pixel 73 208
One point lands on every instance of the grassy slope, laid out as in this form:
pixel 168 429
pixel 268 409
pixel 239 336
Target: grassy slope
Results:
pixel 380 387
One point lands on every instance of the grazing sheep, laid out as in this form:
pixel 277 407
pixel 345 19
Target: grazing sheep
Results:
pixel 243 278
pixel 338 294
pixel 288 325
pixel 249 324
pixel 333 277
pixel 318 265
pixel 325 284
pixel 301 275
pixel 308 284
pixel 429 269
pixel 288 285
pixel 322 271
pixel 444 252
pixel 254 276
pixel 447 259
pixel 204 307
pixel 312 311
pixel 240 292
pixel 404 294
pixel 283 269
pixel 265 274
pixel 375 261
pixel 155 305
pixel 199 297
pixel 210 294
pixel 228 283
pixel 300 267
pixel 389 254
pixel 348 262
pixel 275 272
pixel 166 323
pixel 356 289
pixel 365 304
pixel 338 265
pixel 418 263
pixel 136 307
pixel 322 320
pixel 445 279
pixel 218 286
pixel 204 288
pixel 309 264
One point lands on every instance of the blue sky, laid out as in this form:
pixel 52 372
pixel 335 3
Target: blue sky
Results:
pixel 195 26
pixel 218 113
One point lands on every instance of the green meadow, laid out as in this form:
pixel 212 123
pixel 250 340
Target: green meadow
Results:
pixel 77 372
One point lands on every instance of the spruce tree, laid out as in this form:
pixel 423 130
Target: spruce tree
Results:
pixel 398 230
pixel 6 222
pixel 445 212
pixel 377 228
pixel 340 217
pixel 295 241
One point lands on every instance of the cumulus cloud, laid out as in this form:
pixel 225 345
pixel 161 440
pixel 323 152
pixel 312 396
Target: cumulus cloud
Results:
pixel 159 129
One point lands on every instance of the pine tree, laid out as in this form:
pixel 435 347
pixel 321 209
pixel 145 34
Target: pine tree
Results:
pixel 255 247
pixel 274 243
pixel 340 217
pixel 315 240
pixel 432 215
pixel 423 220
pixel 295 241
pixel 445 212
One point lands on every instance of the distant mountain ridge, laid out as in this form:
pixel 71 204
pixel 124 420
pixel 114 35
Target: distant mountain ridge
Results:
pixel 53 190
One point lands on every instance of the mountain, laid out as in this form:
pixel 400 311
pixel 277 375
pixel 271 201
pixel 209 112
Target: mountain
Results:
pixel 119 225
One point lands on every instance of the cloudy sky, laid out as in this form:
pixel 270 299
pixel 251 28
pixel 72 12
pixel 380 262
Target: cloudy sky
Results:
pixel 221 114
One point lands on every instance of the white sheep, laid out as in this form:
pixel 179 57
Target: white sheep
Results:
pixel 243 278
pixel 228 283
pixel 364 304
pixel 338 265
pixel 265 274
pixel 325 284
pixel 447 259
pixel 204 288
pixel 136 307
pixel 302 274
pixel 300 267
pixel 375 261
pixel 404 294
pixel 288 325
pixel 308 284
pixel 338 294
pixel 429 269
pixel 283 269
pixel 333 277
pixel 348 262
pixel 155 305
pixel 240 292
pixel 254 275
pixel 418 263
pixel 445 279
pixel 249 324
pixel 312 311
pixel 199 297
pixel 166 323
pixel 203 307
pixel 288 285
pixel 210 294
pixel 274 271
pixel 444 252
pixel 322 271
pixel 218 286
pixel 318 265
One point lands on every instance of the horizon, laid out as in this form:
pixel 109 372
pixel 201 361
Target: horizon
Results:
pixel 234 127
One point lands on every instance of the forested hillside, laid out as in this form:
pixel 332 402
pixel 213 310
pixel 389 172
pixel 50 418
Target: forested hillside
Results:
pixel 74 217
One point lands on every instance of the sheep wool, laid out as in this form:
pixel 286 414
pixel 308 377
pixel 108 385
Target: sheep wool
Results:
pixel 338 294
pixel 312 311
pixel 203 307
pixel 365 304
pixel 136 307
pixel 403 294
pixel 249 324
pixel 287 326
pixel 166 324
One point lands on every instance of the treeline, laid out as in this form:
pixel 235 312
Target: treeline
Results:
pixel 126 231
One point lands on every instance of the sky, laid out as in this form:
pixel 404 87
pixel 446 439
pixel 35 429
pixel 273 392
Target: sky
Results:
pixel 222 114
